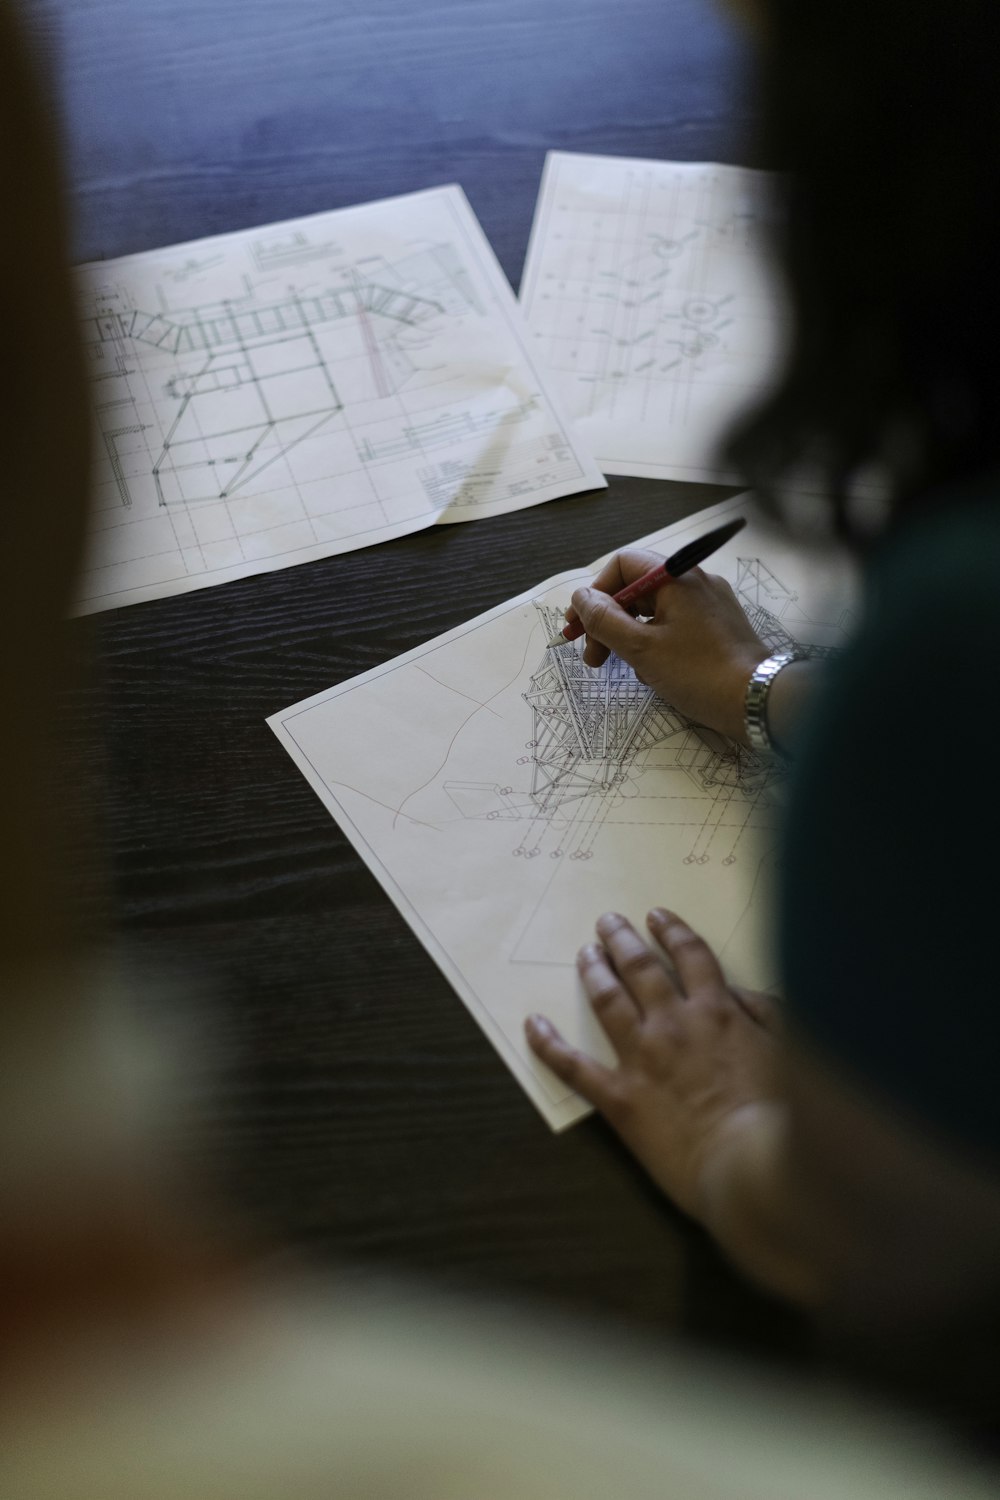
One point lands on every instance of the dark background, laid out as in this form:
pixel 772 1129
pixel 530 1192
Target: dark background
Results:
pixel 356 1111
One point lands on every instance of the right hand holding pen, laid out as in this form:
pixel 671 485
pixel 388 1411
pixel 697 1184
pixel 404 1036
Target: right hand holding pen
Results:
pixel 697 649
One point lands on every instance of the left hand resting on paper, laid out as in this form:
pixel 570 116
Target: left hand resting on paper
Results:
pixel 696 1057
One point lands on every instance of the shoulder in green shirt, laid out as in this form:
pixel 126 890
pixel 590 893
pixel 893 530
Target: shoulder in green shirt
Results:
pixel 890 890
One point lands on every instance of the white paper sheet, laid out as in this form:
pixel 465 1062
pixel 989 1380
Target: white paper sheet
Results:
pixel 647 292
pixel 506 795
pixel 277 395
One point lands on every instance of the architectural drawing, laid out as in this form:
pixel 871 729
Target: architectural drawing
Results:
pixel 271 397
pixel 251 371
pixel 646 291
pixel 505 795
pixel 594 735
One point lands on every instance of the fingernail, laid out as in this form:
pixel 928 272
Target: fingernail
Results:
pixel 539 1024
pixel 589 953
pixel 658 914
pixel 609 922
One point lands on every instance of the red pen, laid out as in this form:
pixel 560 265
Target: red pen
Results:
pixel 680 562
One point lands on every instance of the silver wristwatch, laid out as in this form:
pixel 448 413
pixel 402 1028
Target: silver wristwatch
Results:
pixel 755 702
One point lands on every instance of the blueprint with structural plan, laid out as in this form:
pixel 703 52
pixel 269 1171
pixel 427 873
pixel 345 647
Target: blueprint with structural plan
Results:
pixel 649 295
pixel 279 394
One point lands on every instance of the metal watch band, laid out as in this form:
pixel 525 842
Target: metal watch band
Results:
pixel 755 702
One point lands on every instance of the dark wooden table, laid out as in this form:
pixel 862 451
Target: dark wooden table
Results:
pixel 358 1111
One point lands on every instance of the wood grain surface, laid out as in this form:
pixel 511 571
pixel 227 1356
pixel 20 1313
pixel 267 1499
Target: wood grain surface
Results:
pixel 352 1107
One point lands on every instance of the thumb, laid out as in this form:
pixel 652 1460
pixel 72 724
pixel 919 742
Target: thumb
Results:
pixel 605 621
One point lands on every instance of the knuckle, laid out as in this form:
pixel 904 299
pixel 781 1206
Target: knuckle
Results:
pixel 640 963
pixel 666 1037
pixel 569 1066
pixel 714 1007
pixel 554 1053
pixel 638 560
pixel 592 606
pixel 682 939
pixel 597 610
pixel 617 1103
pixel 549 1051
pixel 603 996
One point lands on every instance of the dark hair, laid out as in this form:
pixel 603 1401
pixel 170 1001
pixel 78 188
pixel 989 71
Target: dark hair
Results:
pixel 883 117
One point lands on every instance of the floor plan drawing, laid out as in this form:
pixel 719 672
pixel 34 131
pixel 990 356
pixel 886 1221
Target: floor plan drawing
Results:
pixel 646 290
pixel 268 398
pixel 535 793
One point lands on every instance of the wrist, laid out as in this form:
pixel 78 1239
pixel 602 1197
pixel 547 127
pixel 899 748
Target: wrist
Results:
pixel 743 669
pixel 736 1142
pixel 758 732
pixel 744 1201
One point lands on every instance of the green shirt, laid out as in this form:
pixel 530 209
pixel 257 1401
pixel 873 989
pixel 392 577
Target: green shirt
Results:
pixel 890 894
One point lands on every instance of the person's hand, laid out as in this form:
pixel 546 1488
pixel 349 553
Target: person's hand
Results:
pixel 697 650
pixel 696 1057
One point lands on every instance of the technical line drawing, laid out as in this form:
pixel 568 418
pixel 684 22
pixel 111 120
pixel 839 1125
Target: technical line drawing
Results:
pixel 419 437
pixel 267 358
pixel 505 795
pixel 274 396
pixel 193 266
pixel 594 734
pixel 646 290
pixel 702 322
pixel 114 448
pixel 643 320
pixel 294 248
pixel 233 418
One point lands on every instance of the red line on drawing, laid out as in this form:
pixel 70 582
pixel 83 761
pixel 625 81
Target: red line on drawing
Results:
pixel 382 386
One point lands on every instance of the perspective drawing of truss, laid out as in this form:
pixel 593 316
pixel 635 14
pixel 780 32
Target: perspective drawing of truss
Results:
pixel 601 742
